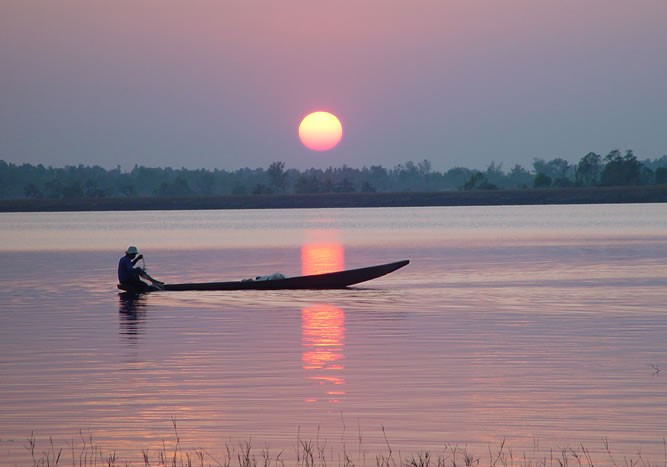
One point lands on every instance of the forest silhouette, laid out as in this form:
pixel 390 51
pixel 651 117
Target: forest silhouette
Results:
pixel 37 182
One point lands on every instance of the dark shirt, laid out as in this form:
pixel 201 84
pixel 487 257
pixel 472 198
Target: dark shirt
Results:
pixel 126 271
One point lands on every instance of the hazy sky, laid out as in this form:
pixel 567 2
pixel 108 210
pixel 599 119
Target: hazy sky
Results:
pixel 224 84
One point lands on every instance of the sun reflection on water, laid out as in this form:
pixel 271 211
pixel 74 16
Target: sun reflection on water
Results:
pixel 323 325
pixel 319 258
pixel 323 337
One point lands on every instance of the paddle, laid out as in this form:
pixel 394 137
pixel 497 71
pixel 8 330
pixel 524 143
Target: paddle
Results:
pixel 143 273
pixel 155 282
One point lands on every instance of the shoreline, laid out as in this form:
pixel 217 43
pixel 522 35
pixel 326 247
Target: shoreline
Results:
pixel 594 195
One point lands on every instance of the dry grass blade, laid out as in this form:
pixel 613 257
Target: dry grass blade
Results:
pixel 314 453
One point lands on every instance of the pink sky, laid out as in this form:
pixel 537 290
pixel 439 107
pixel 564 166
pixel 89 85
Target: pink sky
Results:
pixel 224 84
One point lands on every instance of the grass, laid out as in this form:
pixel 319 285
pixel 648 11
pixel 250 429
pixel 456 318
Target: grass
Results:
pixel 315 453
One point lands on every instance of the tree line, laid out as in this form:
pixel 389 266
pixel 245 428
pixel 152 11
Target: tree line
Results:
pixel 26 181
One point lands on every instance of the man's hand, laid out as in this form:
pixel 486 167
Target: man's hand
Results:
pixel 140 257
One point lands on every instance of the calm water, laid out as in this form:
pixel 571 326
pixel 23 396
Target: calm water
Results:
pixel 544 326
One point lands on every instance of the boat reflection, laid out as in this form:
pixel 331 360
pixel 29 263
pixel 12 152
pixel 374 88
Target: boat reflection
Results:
pixel 323 325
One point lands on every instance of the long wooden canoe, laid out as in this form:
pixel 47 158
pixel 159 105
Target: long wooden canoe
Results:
pixel 330 280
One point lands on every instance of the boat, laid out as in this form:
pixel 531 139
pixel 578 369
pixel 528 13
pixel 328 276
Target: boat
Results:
pixel 329 280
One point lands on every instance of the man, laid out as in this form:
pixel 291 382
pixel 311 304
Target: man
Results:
pixel 128 275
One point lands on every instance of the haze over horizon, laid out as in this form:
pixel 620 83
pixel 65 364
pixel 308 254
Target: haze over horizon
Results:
pixel 224 85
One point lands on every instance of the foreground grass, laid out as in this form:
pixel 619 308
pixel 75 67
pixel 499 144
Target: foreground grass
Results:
pixel 309 453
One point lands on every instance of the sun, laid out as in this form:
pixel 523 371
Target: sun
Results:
pixel 320 131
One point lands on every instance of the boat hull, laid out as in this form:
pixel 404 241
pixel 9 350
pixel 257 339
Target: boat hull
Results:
pixel 331 280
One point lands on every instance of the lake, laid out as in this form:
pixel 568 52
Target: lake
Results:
pixel 515 332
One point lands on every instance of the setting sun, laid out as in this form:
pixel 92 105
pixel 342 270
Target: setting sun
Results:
pixel 320 131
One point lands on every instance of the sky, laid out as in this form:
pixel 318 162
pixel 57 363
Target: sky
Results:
pixel 224 84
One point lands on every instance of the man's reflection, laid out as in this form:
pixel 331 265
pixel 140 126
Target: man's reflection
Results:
pixel 131 310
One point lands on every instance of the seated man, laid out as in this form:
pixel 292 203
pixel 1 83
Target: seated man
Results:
pixel 128 275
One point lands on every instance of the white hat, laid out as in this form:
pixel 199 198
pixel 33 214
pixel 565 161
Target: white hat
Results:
pixel 132 250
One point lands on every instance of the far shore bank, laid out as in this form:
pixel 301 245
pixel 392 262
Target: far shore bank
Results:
pixel 596 195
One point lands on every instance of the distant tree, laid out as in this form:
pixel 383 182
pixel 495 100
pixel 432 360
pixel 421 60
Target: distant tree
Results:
pixel 179 187
pixel 646 175
pixel 239 190
pixel 367 187
pixel 494 174
pixel 72 190
pixel 407 175
pixel 206 182
pixel 54 189
pixel 31 191
pixel 126 189
pixel 278 176
pixel 328 185
pixel 562 182
pixel 307 184
pixel 620 170
pixel 344 186
pixel 378 172
pixel 478 181
pixel 5 177
pixel 424 167
pixel 540 166
pixel 542 181
pixel 661 176
pixel 93 190
pixel 458 176
pixel 519 177
pixel 407 170
pixel 556 169
pixel 588 170
pixel 261 189
pixel 560 167
pixel 656 163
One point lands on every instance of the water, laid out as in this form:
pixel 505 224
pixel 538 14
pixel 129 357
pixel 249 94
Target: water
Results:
pixel 543 326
